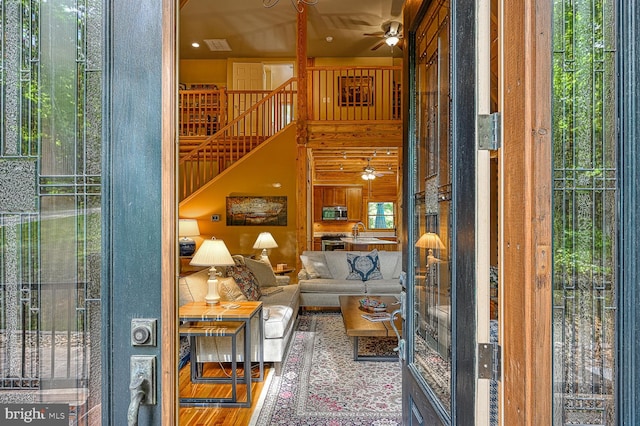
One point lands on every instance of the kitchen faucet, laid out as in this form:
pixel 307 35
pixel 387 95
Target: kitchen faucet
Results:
pixel 354 230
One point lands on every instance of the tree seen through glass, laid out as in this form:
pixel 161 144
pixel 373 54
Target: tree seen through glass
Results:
pixel 380 215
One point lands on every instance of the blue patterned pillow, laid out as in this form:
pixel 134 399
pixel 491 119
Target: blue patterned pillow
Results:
pixel 365 267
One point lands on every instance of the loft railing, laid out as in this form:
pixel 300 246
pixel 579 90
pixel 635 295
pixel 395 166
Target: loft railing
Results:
pixel 208 144
pixel 354 93
pixel 249 129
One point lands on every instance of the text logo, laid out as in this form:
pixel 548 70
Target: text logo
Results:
pixel 34 414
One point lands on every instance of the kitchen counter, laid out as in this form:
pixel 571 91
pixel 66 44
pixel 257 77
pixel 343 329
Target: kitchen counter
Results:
pixel 366 241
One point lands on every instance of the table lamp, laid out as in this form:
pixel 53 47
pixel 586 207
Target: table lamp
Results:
pixel 430 241
pixel 212 253
pixel 187 228
pixel 265 241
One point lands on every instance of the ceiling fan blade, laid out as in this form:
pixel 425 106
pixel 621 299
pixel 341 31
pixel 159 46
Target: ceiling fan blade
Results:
pixel 377 46
pixel 377 34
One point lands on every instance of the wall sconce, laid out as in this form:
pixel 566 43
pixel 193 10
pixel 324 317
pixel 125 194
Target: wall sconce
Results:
pixel 265 241
pixel 187 228
pixel 212 253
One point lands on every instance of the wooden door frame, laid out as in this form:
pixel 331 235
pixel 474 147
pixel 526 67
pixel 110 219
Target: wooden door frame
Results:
pixel 169 211
pixel 525 212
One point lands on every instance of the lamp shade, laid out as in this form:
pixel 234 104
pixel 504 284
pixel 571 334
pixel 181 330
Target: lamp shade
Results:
pixel 188 228
pixel 430 240
pixel 265 241
pixel 212 253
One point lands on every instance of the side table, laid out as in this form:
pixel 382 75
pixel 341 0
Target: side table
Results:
pixel 219 329
pixel 227 312
pixel 283 271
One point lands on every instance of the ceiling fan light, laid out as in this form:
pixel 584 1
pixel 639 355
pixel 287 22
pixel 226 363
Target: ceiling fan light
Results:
pixel 368 176
pixel 392 40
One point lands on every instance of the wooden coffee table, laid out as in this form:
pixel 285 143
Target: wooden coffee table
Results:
pixel 356 326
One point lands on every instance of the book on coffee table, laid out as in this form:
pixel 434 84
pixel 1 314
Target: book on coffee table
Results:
pixel 378 316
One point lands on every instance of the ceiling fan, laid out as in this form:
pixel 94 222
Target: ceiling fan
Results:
pixel 391 35
pixel 369 173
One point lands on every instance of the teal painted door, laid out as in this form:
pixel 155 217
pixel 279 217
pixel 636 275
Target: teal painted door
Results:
pixel 133 198
pixel 80 204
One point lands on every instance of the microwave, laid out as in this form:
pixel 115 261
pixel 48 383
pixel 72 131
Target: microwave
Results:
pixel 334 213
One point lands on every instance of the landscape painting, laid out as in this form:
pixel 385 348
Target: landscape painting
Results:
pixel 256 211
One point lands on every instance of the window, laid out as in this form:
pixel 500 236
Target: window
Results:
pixel 381 215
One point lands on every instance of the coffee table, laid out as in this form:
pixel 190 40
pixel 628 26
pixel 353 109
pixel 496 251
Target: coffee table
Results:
pixel 356 326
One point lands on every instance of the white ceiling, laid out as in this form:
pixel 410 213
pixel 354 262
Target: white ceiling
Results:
pixel 255 31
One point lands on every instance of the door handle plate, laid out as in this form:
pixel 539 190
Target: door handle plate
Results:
pixel 144 367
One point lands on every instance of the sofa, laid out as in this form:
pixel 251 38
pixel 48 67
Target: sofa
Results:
pixel 248 280
pixel 326 275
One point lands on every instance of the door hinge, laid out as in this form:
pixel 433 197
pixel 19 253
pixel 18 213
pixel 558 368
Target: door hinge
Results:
pixel 489 361
pixel 489 126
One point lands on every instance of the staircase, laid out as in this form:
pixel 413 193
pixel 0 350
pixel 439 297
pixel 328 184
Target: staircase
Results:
pixel 220 151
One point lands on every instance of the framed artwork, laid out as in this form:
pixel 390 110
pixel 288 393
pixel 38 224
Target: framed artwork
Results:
pixel 256 211
pixel 355 91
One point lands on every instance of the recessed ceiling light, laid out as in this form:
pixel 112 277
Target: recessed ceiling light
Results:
pixel 276 184
pixel 329 39
pixel 195 44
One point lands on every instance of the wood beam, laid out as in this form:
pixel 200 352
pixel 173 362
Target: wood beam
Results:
pixel 526 234
pixel 301 58
pixel 303 197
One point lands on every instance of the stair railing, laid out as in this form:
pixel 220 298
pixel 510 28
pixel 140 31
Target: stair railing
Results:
pixel 249 129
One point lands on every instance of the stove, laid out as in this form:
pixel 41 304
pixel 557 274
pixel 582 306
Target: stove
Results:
pixel 332 242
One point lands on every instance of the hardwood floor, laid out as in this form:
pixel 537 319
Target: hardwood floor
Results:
pixel 192 416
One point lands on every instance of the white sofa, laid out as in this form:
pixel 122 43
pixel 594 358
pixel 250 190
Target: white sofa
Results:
pixel 280 311
pixel 325 275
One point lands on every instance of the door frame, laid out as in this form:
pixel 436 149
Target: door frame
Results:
pixel 628 277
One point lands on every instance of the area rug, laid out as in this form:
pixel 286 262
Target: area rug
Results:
pixel 321 384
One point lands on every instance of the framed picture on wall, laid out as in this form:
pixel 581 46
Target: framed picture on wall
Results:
pixel 355 91
pixel 256 211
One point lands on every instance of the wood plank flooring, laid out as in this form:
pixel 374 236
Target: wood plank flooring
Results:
pixel 196 416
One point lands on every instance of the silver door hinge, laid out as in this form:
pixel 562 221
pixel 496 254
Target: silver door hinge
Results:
pixel 489 361
pixel 489 126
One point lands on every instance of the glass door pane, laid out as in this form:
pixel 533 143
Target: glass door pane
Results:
pixel 584 212
pixel 432 237
pixel 50 206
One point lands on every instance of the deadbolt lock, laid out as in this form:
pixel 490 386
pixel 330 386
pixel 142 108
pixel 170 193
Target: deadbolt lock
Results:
pixel 143 332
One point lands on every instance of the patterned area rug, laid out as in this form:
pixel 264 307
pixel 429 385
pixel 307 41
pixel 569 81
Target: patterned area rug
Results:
pixel 321 384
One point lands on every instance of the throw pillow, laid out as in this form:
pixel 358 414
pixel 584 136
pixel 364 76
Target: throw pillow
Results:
pixel 365 267
pixel 246 281
pixel 229 290
pixel 316 266
pixel 262 271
